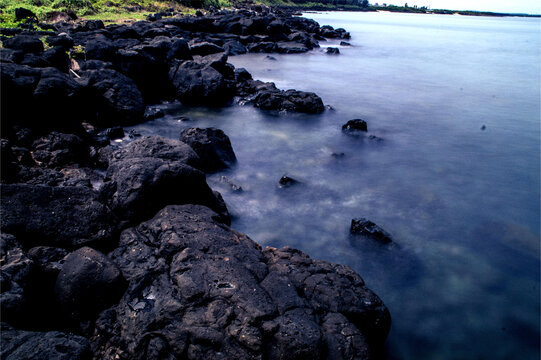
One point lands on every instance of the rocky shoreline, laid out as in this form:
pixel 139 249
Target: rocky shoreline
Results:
pixel 125 252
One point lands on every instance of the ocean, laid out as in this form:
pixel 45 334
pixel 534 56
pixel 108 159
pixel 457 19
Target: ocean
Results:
pixel 450 167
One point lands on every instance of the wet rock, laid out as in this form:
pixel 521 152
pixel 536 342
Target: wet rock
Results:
pixel 234 187
pixel 20 344
pixel 88 283
pixel 355 125
pixel 364 227
pixel 153 113
pixel 158 147
pixel 332 51
pixel 216 294
pixel 290 100
pixel 344 43
pixel 287 181
pixel 116 132
pixel 67 217
pixel 213 147
pixel 153 172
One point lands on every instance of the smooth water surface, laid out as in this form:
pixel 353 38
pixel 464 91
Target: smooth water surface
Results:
pixel 453 173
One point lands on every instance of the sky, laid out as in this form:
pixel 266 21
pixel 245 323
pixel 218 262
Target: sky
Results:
pixel 508 6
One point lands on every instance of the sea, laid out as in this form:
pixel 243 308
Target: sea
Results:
pixel 449 167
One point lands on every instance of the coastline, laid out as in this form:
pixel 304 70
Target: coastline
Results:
pixel 126 252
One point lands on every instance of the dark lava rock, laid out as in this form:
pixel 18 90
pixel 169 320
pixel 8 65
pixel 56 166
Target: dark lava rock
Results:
pixel 53 345
pixel 355 125
pixel 287 181
pixel 25 43
pixel 116 132
pixel 290 100
pixel 201 290
pixel 48 259
pixel 57 149
pixel 344 43
pixel 22 13
pixel 205 48
pixel 57 57
pixel 202 81
pixel 15 272
pixel 266 96
pixel 88 283
pixel 67 217
pixel 234 47
pixel 153 172
pixel 41 99
pixel 213 147
pixel 367 228
pixel 117 99
pixel 332 51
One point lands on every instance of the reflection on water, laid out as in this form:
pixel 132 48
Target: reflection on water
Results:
pixel 461 202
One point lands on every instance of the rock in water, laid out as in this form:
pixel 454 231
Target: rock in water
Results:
pixel 287 181
pixel 333 51
pixel 213 147
pixel 88 283
pixel 355 125
pixel 367 228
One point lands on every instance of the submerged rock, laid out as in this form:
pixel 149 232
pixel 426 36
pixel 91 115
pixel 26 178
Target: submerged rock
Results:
pixel 332 51
pixel 355 125
pixel 364 227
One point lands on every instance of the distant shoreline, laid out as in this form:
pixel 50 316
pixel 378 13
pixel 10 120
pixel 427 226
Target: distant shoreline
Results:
pixel 410 10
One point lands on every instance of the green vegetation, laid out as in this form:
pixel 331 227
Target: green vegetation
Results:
pixel 107 10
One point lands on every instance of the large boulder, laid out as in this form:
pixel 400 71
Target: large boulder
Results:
pixel 197 287
pixel 153 172
pixel 203 81
pixel 116 97
pixel 68 217
pixel 53 345
pixel 213 147
pixel 88 283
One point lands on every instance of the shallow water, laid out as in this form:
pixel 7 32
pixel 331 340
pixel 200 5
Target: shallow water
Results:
pixel 462 203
